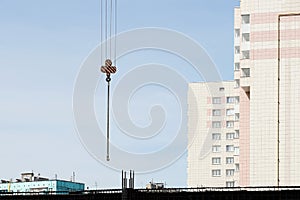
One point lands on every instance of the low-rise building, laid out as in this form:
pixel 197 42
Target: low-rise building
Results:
pixel 31 183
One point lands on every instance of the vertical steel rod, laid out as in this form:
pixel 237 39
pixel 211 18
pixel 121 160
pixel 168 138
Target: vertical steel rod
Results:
pixel 107 125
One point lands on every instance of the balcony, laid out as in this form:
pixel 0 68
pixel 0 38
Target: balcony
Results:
pixel 245 46
pixel 245 78
pixel 237 57
pixel 237 40
pixel 245 63
pixel 237 74
pixel 245 82
pixel 237 108
pixel 245 28
pixel 236 126
pixel 230 118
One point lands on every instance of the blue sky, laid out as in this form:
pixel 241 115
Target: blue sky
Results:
pixel 42 46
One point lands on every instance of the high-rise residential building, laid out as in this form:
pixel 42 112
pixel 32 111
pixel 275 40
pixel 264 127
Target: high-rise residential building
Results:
pixel 269 42
pixel 267 75
pixel 213 112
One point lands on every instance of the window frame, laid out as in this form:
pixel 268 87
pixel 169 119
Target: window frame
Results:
pixel 230 183
pixel 216 159
pixel 214 124
pixel 230 135
pixel 216 148
pixel 229 124
pixel 216 136
pixel 216 112
pixel 230 112
pixel 231 99
pixel 216 172
pixel 229 148
pixel 229 160
pixel 229 172
pixel 216 100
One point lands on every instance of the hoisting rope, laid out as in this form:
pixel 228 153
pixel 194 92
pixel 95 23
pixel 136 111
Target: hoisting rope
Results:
pixel 109 14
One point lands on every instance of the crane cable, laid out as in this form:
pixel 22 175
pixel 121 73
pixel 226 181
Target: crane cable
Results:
pixel 110 22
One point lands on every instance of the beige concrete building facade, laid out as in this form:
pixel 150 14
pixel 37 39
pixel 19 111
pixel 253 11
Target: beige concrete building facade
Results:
pixel 268 74
pixel 213 156
pixel 267 78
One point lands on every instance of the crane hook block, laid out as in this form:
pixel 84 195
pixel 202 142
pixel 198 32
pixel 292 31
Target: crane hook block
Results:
pixel 108 68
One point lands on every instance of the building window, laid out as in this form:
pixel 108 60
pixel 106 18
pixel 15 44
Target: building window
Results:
pixel 230 112
pixel 237 49
pixel 216 100
pixel 229 160
pixel 216 124
pixel 236 66
pixel 237 134
pixel 216 112
pixel 236 151
pixel 237 167
pixel 230 124
pixel 246 54
pixel 216 172
pixel 230 100
pixel 230 136
pixel 246 72
pixel 229 148
pixel 216 148
pixel 221 89
pixel 216 161
pixel 216 136
pixel 245 37
pixel 229 183
pixel 246 19
pixel 236 33
pixel 229 172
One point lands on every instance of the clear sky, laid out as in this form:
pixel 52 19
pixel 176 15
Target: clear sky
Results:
pixel 42 46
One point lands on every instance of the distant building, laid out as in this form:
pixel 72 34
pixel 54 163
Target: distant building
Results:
pixel 153 185
pixel 31 183
pixel 213 153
